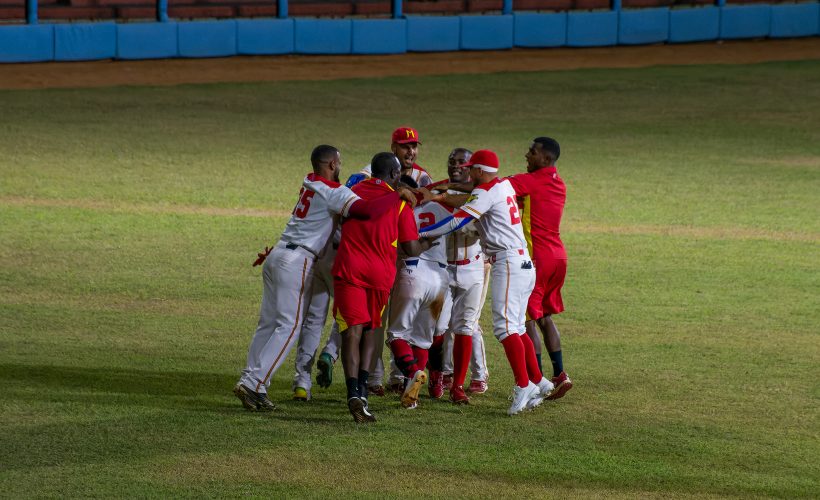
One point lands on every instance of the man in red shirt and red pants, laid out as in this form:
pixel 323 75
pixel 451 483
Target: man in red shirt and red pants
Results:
pixel 363 274
pixel 542 195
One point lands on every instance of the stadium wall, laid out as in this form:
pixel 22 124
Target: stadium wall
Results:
pixel 195 39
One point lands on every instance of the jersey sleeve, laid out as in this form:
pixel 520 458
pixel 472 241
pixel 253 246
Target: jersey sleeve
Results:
pixel 407 224
pixel 340 198
pixel 522 184
pixel 478 203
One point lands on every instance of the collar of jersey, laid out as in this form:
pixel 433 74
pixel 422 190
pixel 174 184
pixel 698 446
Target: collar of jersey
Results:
pixel 379 182
pixel 314 177
pixel 487 185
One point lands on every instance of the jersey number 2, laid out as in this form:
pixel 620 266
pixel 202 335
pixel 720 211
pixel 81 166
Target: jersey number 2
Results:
pixel 303 206
pixel 514 218
pixel 426 219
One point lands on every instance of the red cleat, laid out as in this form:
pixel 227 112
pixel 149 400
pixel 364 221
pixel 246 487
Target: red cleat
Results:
pixel 457 396
pixel 436 385
pixel 477 387
pixel 562 384
pixel 376 390
pixel 448 381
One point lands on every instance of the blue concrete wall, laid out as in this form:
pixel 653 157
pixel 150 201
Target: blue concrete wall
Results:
pixel 88 41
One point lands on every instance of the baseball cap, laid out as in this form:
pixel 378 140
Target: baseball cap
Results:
pixel 484 159
pixel 405 135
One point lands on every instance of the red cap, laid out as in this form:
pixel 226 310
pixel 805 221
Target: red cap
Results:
pixel 405 135
pixel 483 158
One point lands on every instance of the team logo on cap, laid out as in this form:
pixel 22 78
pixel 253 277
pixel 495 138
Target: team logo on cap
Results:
pixel 410 133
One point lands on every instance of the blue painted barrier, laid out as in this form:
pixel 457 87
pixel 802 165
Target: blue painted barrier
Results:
pixel 379 36
pixel 643 26
pixel 433 33
pixel 592 29
pixel 85 42
pixel 27 43
pixel 486 32
pixel 264 37
pixel 540 30
pixel 207 38
pixel 147 41
pixel 694 25
pixel 322 36
pixel 795 20
pixel 744 21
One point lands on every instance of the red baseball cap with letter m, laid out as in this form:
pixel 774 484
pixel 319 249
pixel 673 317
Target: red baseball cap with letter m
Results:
pixel 405 135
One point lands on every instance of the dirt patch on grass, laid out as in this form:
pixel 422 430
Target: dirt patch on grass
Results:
pixel 276 68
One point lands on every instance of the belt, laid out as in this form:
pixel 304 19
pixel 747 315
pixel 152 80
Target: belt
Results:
pixel 294 246
pixel 463 262
pixel 492 258
pixel 415 262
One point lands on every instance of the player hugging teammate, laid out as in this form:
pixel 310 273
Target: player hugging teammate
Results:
pixel 428 251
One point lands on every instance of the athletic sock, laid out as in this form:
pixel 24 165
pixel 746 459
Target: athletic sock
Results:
pixel 557 363
pixel 462 349
pixel 363 375
pixel 352 387
pixel 514 349
pixel 421 358
pixel 434 361
pixel 533 370
pixel 403 356
pixel 538 357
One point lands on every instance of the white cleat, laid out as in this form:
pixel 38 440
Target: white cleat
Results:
pixel 520 397
pixel 545 387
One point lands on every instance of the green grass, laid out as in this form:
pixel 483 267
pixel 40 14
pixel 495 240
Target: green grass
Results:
pixel 129 218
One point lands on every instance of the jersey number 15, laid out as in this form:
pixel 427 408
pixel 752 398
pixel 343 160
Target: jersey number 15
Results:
pixel 301 208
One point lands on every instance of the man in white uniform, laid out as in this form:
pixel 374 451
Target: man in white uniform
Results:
pixel 492 203
pixel 288 270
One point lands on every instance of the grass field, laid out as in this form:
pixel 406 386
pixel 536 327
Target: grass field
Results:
pixel 129 218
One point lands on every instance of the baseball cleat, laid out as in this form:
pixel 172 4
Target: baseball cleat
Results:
pixel 396 386
pixel 448 381
pixel 436 385
pixel 301 394
pixel 545 387
pixel 325 366
pixel 477 387
pixel 457 396
pixel 253 401
pixel 520 397
pixel 410 396
pixel 562 384
pixel 376 390
pixel 358 408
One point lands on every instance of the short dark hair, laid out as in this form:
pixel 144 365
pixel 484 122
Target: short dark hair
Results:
pixel 382 165
pixel 549 145
pixel 321 154
pixel 409 181
pixel 461 150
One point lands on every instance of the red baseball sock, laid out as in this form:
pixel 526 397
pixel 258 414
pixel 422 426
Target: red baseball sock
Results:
pixel 421 358
pixel 514 349
pixel 403 354
pixel 533 370
pixel 462 349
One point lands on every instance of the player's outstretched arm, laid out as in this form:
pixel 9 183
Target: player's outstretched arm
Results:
pixel 414 248
pixel 447 225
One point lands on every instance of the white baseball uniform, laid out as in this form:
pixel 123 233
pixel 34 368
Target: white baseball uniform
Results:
pixel 417 298
pixel 288 276
pixel 499 224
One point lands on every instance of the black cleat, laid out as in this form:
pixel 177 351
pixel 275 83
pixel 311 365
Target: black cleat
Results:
pixel 253 401
pixel 358 408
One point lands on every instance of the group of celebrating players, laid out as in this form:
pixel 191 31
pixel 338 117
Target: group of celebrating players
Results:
pixel 394 248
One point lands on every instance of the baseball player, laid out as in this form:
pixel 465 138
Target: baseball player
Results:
pixel 492 203
pixel 363 273
pixel 288 270
pixel 405 143
pixel 416 304
pixel 542 195
pixel 467 289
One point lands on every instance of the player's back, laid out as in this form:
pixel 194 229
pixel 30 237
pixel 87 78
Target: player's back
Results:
pixel 313 218
pixel 495 207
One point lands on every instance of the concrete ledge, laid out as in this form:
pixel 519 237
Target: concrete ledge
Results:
pixel 433 33
pixel 540 30
pixel 322 36
pixel 795 20
pixel 28 43
pixel 264 37
pixel 745 21
pixel 592 29
pixel 486 32
pixel 147 40
pixel 694 25
pixel 379 36
pixel 207 38
pixel 643 26
pixel 85 42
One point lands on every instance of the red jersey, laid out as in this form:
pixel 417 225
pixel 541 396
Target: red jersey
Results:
pixel 542 195
pixel 368 249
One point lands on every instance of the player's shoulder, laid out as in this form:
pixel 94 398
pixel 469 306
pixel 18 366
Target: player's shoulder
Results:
pixel 487 186
pixel 318 181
